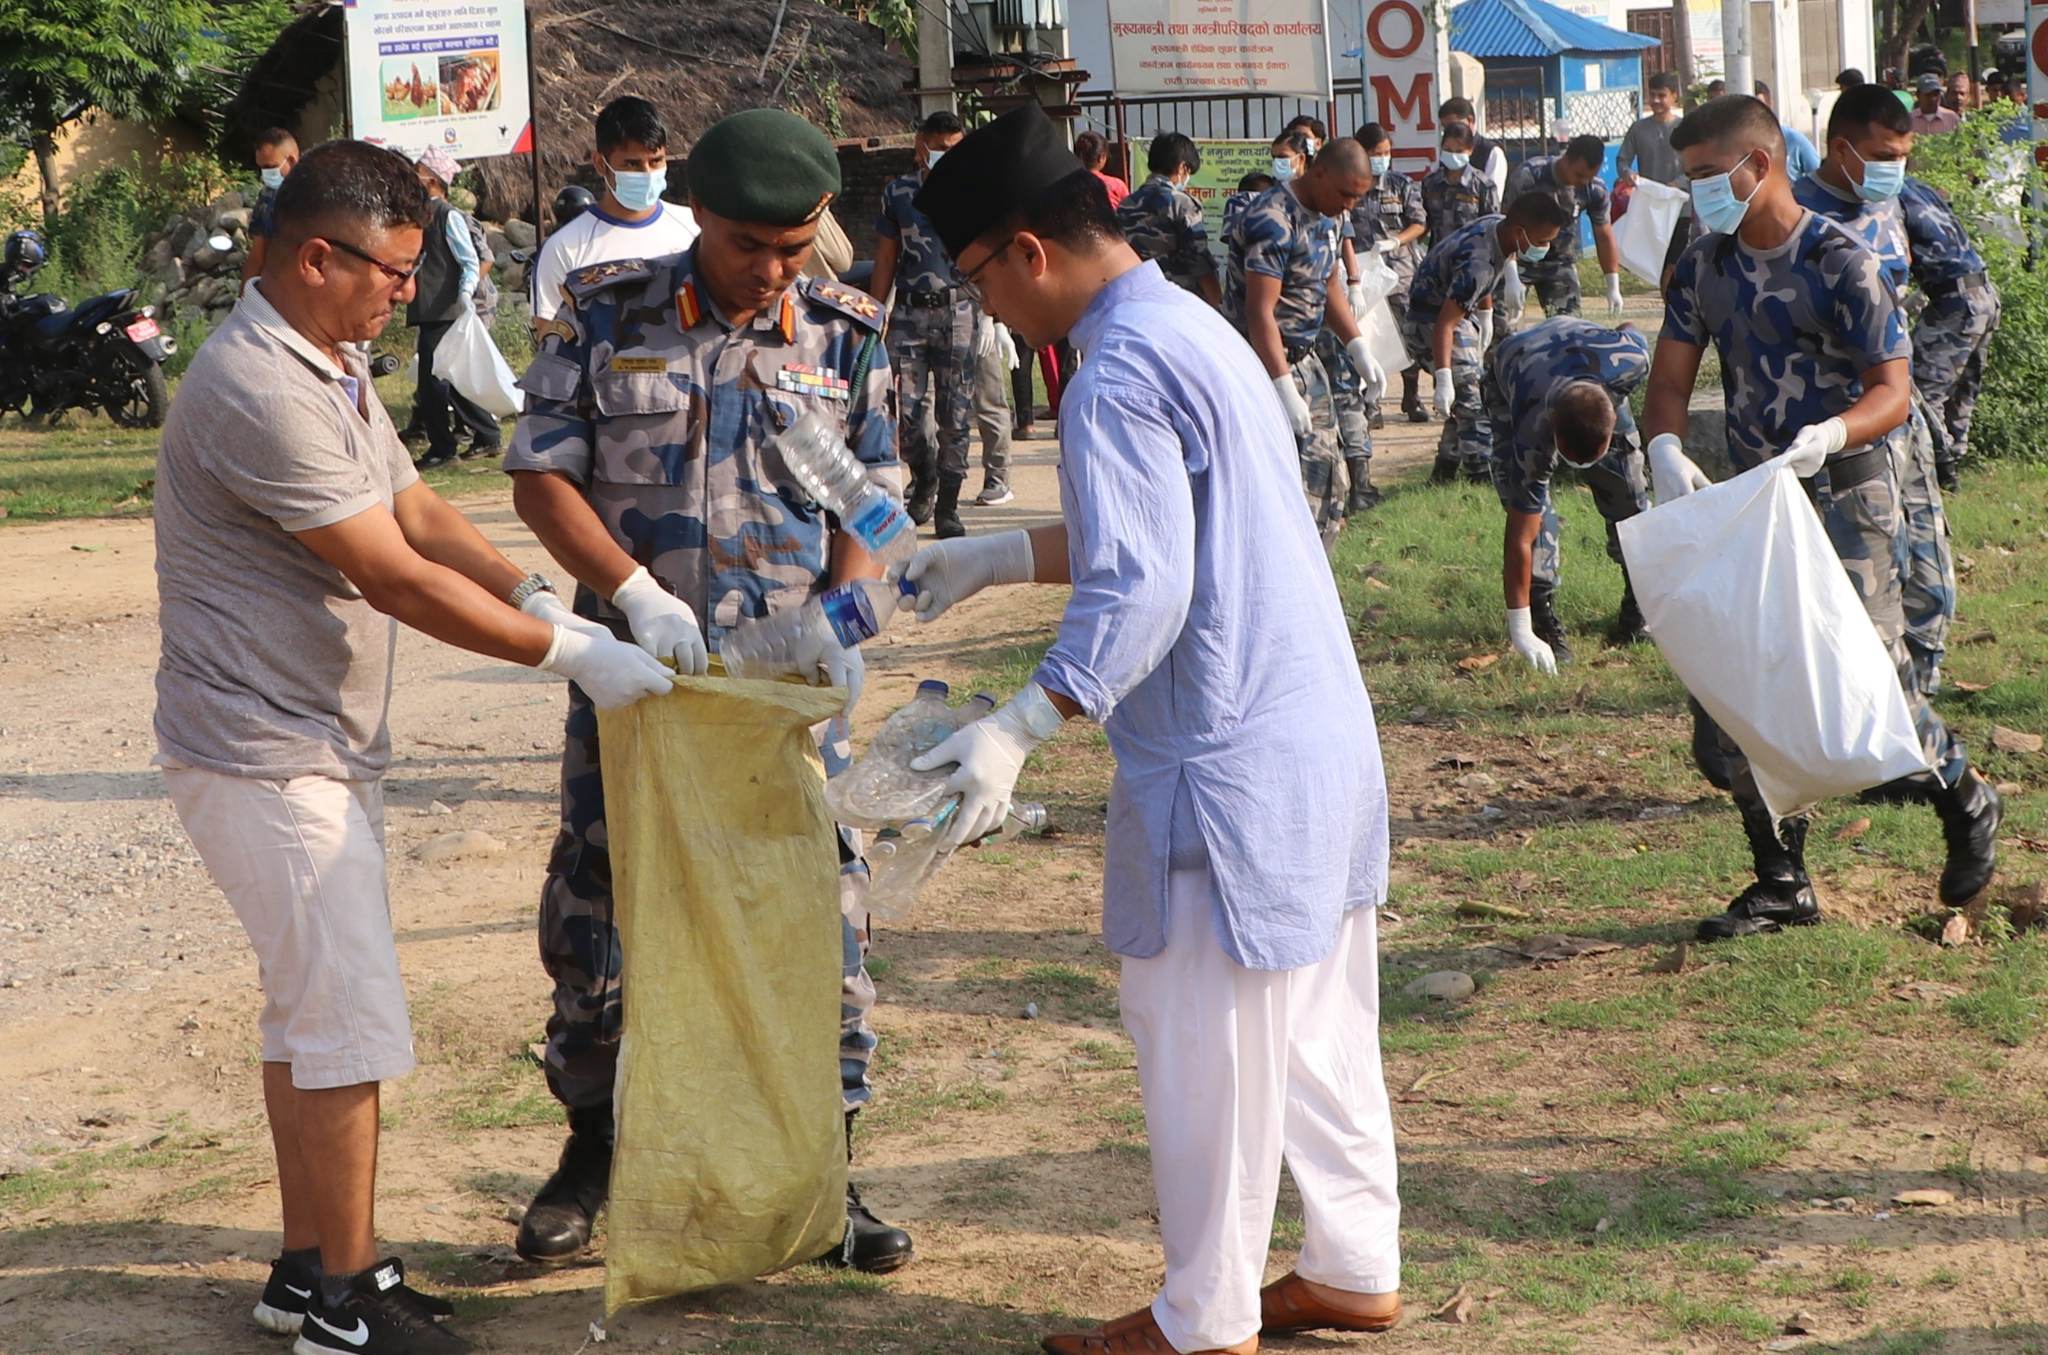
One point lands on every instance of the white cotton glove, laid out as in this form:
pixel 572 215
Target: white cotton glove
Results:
pixel 1296 407
pixel 1514 295
pixel 1484 319
pixel 611 672
pixel 1444 395
pixel 1371 375
pixel 545 606
pixel 662 623
pixel 1354 296
pixel 984 338
pixel 822 661
pixel 1007 346
pixel 1672 473
pixel 1522 635
pixel 1614 293
pixel 990 753
pixel 1812 445
pixel 947 572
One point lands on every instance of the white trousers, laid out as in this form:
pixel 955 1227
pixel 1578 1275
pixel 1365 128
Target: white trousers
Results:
pixel 1241 1068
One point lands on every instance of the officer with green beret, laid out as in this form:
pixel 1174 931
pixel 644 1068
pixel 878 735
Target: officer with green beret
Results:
pixel 643 464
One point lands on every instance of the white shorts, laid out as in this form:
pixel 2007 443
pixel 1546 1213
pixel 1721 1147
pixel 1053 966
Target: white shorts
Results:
pixel 302 863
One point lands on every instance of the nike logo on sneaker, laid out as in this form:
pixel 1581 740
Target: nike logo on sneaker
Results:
pixel 297 1292
pixel 360 1336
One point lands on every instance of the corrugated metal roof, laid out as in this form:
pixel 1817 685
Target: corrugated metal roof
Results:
pixel 1531 28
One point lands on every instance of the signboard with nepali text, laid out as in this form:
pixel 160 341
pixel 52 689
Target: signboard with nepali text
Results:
pixel 1220 47
pixel 1402 66
pixel 1223 164
pixel 447 73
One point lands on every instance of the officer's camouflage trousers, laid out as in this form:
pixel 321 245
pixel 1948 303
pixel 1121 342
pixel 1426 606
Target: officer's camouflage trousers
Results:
pixel 1324 477
pixel 580 950
pixel 1556 286
pixel 931 349
pixel 1347 398
pixel 1867 528
pixel 1928 580
pixel 1466 439
pixel 1948 362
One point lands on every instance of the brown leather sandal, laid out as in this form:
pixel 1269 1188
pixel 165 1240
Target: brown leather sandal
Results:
pixel 1133 1334
pixel 1286 1306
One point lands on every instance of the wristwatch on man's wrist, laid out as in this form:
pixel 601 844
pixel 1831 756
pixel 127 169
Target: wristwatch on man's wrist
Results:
pixel 527 587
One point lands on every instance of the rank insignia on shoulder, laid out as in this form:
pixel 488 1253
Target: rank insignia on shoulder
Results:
pixel 597 276
pixel 850 300
pixel 560 329
pixel 801 379
pixel 632 364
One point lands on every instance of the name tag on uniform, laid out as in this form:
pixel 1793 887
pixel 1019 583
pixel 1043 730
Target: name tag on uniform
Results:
pixel 798 379
pixel 623 364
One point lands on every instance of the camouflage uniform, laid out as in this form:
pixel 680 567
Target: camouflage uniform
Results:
pixel 1164 223
pixel 646 398
pixel 1467 267
pixel 1956 326
pixel 1930 579
pixel 1393 206
pixel 1555 277
pixel 1448 203
pixel 1795 330
pixel 1526 371
pixel 1277 237
pixel 931 338
pixel 1347 387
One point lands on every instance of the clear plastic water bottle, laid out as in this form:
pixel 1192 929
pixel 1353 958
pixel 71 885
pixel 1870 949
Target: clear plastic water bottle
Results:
pixel 765 647
pixel 821 462
pixel 901 860
pixel 880 791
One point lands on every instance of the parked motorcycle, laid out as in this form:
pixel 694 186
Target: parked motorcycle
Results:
pixel 106 354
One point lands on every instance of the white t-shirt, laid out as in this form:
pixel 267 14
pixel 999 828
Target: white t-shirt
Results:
pixel 594 237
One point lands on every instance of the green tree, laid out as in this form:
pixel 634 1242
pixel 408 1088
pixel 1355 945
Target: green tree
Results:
pixel 63 59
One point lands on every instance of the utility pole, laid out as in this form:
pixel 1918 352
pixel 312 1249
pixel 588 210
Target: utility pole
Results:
pixel 1740 73
pixel 935 59
pixel 1681 45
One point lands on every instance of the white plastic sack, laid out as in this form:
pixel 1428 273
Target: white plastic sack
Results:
pixel 1382 334
pixel 1644 232
pixel 1749 603
pixel 470 362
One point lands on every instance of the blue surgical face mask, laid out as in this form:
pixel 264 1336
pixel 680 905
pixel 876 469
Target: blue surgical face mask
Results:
pixel 1715 204
pixel 1882 179
pixel 273 177
pixel 1535 253
pixel 1380 163
pixel 931 160
pixel 637 189
pixel 1454 159
pixel 1283 168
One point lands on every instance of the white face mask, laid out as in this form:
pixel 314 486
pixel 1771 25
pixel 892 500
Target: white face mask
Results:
pixel 931 160
pixel 1283 168
pixel 272 176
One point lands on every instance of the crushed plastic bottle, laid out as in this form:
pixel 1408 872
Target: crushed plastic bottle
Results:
pixel 901 860
pixel 821 462
pixel 880 791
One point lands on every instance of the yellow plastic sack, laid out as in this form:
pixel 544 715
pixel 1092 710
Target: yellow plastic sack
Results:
pixel 731 1158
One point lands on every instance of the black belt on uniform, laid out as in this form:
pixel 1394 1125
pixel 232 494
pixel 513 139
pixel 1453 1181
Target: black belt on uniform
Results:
pixel 1846 472
pixel 1950 286
pixel 926 300
pixel 1296 352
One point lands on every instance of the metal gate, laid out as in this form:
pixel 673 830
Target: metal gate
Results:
pixel 1217 117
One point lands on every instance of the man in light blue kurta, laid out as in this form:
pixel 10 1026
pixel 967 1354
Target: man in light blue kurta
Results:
pixel 1247 837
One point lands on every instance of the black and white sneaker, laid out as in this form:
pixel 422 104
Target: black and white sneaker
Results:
pixel 282 1309
pixel 379 1316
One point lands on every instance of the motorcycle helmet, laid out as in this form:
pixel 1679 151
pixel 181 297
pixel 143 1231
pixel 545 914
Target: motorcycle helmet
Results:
pixel 571 203
pixel 24 254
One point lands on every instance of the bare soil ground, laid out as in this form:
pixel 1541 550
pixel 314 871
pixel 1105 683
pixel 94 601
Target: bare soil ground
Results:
pixel 1592 1157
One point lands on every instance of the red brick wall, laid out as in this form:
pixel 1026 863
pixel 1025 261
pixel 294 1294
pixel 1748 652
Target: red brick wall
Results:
pixel 863 172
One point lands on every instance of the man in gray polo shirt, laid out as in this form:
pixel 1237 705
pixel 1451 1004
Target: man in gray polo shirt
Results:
pixel 291 531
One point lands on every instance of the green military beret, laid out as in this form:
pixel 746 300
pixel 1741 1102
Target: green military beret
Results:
pixel 764 166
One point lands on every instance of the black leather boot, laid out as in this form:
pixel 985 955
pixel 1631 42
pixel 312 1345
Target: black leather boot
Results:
pixel 870 1245
pixel 1411 398
pixel 1363 495
pixel 1628 627
pixel 558 1222
pixel 1543 620
pixel 1970 814
pixel 923 492
pixel 946 518
pixel 1945 476
pixel 1445 471
pixel 1782 895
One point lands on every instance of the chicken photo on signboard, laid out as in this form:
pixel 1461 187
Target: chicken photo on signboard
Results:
pixel 408 93
pixel 469 83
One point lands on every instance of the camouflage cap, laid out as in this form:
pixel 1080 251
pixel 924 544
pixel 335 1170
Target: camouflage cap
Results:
pixel 765 166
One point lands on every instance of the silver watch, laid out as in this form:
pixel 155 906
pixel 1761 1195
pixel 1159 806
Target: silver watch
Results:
pixel 528 586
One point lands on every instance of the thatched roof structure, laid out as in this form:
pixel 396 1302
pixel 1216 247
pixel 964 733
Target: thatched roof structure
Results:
pixel 698 60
